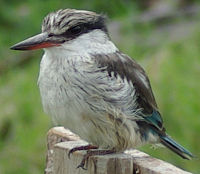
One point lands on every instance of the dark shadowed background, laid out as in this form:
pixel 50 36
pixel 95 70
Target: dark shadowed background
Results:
pixel 163 36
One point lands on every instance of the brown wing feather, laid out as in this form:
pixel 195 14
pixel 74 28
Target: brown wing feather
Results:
pixel 122 65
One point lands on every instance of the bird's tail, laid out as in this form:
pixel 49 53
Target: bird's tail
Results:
pixel 175 147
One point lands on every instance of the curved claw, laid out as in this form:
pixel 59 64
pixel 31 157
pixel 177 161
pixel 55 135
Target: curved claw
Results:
pixel 70 152
pixel 81 166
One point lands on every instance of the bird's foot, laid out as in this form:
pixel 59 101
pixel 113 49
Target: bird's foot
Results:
pixel 87 147
pixel 93 153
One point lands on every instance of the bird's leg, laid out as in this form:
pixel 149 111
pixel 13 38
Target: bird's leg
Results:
pixel 87 147
pixel 92 153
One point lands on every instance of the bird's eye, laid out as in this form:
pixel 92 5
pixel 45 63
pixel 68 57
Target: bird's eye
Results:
pixel 50 34
pixel 76 30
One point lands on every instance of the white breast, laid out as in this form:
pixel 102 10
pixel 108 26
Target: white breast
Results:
pixel 59 97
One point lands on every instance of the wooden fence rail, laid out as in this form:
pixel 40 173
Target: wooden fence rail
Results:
pixel 60 141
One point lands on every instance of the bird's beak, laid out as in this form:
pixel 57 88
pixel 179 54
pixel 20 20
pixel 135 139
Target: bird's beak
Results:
pixel 36 42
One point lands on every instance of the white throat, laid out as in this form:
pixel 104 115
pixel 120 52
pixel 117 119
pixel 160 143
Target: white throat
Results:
pixel 94 42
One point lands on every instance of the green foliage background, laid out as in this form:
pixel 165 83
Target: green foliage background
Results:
pixel 173 65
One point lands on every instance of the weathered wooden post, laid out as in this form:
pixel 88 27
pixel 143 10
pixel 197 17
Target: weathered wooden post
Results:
pixel 60 141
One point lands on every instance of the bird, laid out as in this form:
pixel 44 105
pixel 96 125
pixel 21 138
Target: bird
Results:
pixel 90 87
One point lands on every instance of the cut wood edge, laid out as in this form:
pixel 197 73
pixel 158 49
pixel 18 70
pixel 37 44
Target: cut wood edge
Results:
pixel 61 140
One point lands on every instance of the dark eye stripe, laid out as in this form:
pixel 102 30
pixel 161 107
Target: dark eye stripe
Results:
pixel 80 27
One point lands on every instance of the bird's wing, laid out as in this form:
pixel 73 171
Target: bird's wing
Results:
pixel 118 64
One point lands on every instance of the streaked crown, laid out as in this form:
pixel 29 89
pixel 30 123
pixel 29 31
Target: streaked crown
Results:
pixel 71 22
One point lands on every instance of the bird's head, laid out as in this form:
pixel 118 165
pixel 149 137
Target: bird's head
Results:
pixel 64 26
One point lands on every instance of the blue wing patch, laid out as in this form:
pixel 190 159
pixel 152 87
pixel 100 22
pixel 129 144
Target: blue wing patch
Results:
pixel 155 119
